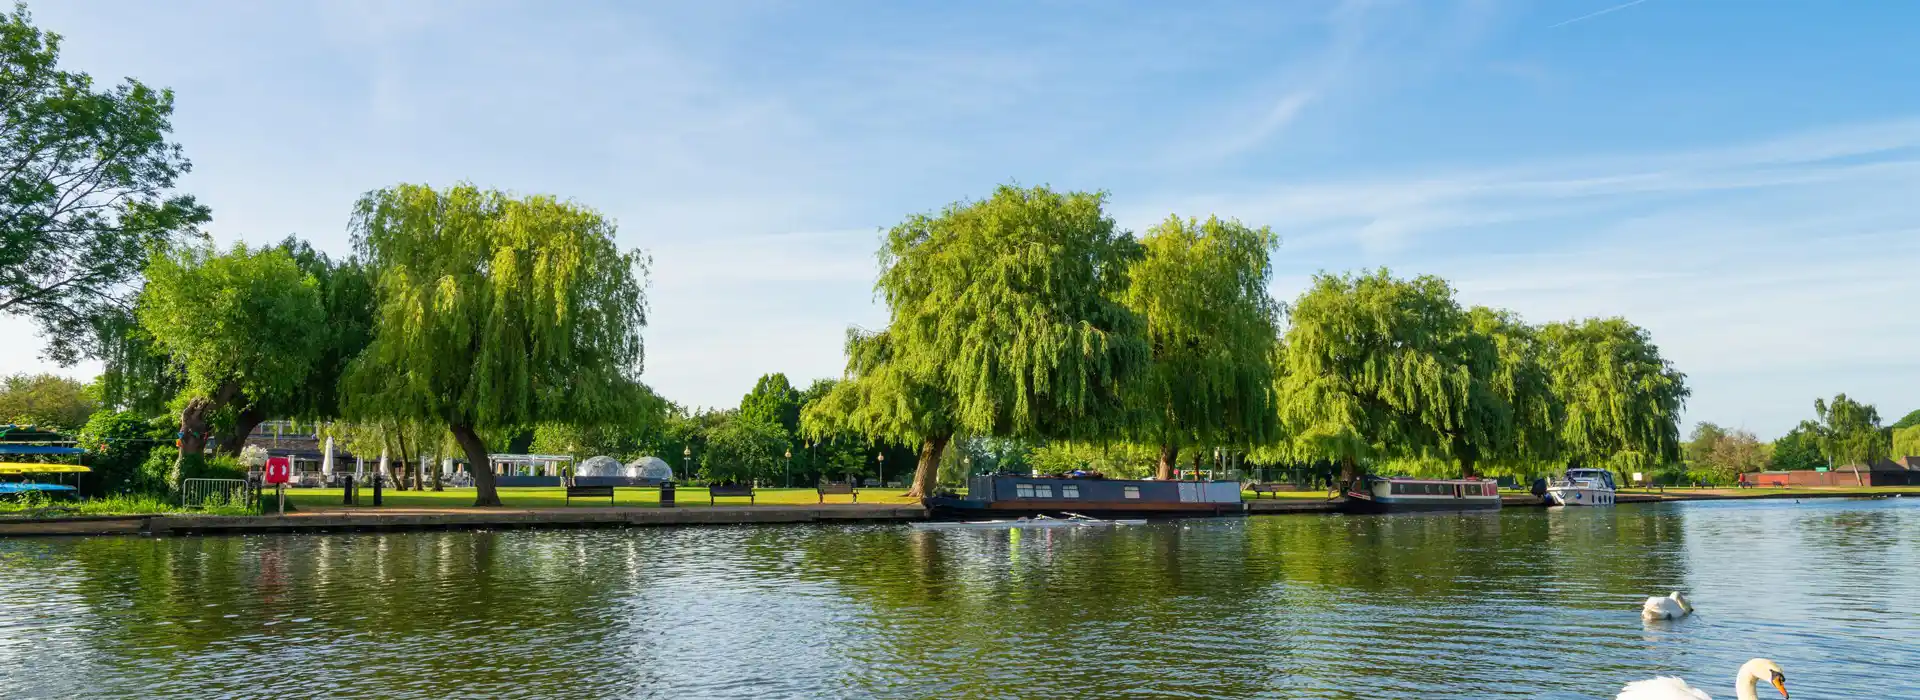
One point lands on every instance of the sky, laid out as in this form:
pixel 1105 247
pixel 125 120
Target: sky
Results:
pixel 1737 177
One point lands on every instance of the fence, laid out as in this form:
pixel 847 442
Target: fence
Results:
pixel 196 493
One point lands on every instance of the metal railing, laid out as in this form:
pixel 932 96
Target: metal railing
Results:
pixel 198 493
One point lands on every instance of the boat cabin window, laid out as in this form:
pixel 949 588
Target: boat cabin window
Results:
pixel 1033 490
pixel 1070 491
pixel 1418 489
pixel 1023 490
pixel 1130 492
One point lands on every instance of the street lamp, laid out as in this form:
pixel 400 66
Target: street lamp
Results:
pixel 686 460
pixel 882 458
pixel 789 467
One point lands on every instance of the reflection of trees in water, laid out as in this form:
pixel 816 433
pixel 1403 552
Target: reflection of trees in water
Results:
pixel 485 608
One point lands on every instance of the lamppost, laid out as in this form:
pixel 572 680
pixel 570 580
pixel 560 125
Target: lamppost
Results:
pixel 789 467
pixel 686 461
pixel 881 457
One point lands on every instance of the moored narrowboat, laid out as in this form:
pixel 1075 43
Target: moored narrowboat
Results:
pixel 1375 494
pixel 1012 495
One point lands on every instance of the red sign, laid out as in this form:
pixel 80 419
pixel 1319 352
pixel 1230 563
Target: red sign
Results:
pixel 278 470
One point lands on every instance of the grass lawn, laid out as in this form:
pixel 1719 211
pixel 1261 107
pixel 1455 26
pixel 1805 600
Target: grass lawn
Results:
pixel 556 497
pixel 1823 490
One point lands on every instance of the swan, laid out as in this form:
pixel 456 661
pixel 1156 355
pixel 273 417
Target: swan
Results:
pixel 1672 607
pixel 1745 686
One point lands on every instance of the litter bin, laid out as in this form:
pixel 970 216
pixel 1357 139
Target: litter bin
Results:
pixel 666 494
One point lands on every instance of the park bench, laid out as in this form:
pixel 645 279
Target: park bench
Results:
pixel 589 492
pixel 845 489
pixel 734 491
pixel 1258 489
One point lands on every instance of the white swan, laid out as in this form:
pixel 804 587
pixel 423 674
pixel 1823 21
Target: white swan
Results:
pixel 1672 607
pixel 1745 686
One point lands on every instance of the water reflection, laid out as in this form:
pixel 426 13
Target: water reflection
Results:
pixel 1521 603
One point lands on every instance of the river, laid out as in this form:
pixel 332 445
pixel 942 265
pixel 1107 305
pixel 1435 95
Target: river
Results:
pixel 1523 603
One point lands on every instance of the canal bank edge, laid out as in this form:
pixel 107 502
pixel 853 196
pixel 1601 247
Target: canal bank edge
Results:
pixel 516 518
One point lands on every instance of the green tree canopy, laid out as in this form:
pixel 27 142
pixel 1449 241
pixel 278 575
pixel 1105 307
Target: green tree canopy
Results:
pixel 745 448
pixel 1211 328
pixel 1798 450
pixel 774 400
pixel 87 193
pixel 1905 442
pixel 1622 400
pixel 1910 420
pixel 45 400
pixel 1373 366
pixel 1004 320
pixel 243 323
pixel 1848 432
pixel 497 312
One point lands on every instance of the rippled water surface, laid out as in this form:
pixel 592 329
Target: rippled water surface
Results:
pixel 1522 603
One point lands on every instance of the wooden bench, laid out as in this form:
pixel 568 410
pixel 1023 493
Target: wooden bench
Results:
pixel 845 489
pixel 735 491
pixel 590 492
pixel 1258 489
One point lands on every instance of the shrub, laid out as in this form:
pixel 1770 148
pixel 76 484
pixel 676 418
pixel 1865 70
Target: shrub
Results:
pixel 118 444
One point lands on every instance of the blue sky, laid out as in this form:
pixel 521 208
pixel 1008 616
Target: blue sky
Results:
pixel 1738 177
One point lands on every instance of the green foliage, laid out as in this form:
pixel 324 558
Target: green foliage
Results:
pixel 45 400
pixel 1905 441
pixel 1848 432
pixel 118 443
pixel 1798 450
pixel 346 298
pixel 773 400
pixel 1622 400
pixel 496 312
pixel 87 190
pixel 157 471
pixel 745 448
pixel 136 374
pixel 1004 321
pixel 1726 454
pixel 1117 460
pixel 1211 327
pixel 1908 421
pixel 248 320
pixel 1374 366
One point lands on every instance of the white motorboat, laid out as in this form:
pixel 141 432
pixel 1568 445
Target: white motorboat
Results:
pixel 1582 487
pixel 1039 521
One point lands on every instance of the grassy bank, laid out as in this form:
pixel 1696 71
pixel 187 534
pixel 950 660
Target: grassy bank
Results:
pixel 556 497
pixel 34 507
pixel 1828 491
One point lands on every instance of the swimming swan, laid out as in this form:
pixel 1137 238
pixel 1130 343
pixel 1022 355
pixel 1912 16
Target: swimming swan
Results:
pixel 1745 686
pixel 1672 607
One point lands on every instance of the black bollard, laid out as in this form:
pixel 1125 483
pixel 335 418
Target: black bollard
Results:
pixel 377 477
pixel 346 494
pixel 666 494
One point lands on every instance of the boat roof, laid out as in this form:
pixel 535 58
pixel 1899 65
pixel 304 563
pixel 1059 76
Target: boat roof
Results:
pixel 1473 480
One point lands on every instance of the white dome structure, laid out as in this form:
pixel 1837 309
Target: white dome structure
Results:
pixel 650 468
pixel 600 466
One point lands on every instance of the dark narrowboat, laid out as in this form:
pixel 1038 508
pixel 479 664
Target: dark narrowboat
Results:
pixel 1011 495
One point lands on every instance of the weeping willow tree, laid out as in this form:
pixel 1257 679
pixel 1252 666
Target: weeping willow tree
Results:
pixel 1849 434
pixel 1620 399
pixel 1376 367
pixel 1004 322
pixel 1211 329
pixel 495 312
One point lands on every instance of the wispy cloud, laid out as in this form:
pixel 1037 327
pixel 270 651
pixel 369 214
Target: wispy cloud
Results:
pixel 1585 17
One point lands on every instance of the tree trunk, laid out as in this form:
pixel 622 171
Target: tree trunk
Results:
pixel 435 468
pixel 484 492
pixel 1466 466
pixel 196 426
pixel 1348 470
pixel 926 474
pixel 233 441
pixel 1169 454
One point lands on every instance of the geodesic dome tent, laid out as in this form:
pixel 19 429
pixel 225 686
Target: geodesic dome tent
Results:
pixel 650 468
pixel 600 466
